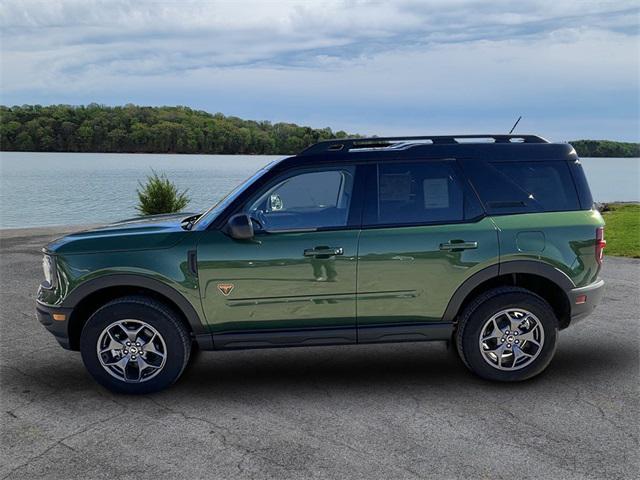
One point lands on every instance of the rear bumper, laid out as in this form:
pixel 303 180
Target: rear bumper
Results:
pixel 585 299
pixel 58 328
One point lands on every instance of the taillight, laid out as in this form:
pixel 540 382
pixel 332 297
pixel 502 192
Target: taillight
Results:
pixel 600 244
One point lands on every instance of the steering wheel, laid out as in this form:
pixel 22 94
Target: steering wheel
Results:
pixel 258 217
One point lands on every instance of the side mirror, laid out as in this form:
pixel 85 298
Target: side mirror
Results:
pixel 240 227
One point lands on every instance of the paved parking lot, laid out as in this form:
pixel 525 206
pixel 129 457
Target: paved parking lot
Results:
pixel 385 411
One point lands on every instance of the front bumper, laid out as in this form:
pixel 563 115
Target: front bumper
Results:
pixel 58 328
pixel 585 299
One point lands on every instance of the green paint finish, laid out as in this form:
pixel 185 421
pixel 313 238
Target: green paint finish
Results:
pixel 404 276
pixel 274 284
pixel 145 233
pixel 530 242
pixel 569 241
pixel 157 249
pixel 384 276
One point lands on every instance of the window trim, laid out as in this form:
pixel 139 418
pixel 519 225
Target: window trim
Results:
pixel 475 219
pixel 467 187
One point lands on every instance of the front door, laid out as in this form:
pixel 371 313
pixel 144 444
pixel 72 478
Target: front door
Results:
pixel 423 235
pixel 294 283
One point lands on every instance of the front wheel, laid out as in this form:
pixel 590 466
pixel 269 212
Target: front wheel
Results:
pixel 507 334
pixel 135 345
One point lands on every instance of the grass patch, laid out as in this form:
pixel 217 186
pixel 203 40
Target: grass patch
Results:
pixel 623 229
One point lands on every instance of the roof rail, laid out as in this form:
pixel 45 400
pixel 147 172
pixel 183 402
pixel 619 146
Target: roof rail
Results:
pixel 346 144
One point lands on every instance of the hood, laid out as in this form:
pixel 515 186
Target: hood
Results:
pixel 139 233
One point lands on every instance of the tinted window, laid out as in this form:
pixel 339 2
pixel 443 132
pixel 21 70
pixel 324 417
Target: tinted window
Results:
pixel 317 199
pixel 514 187
pixel 416 193
pixel 584 193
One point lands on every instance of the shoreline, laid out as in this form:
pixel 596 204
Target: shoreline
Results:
pixel 185 154
pixel 16 231
pixel 7 233
pixel 204 153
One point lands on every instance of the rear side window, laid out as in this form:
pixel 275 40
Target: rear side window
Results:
pixel 418 193
pixel 517 187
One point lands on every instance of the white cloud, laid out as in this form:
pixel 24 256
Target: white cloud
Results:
pixel 334 57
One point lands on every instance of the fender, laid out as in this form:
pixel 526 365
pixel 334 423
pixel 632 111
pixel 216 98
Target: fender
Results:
pixel 541 269
pixel 201 333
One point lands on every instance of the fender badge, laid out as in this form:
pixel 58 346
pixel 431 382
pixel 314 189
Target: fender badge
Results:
pixel 225 288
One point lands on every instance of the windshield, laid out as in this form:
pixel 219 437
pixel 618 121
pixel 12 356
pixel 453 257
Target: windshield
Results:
pixel 210 215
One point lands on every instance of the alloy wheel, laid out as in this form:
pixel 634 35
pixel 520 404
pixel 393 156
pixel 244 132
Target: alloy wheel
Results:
pixel 131 351
pixel 511 339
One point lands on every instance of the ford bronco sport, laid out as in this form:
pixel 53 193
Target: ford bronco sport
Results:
pixel 488 241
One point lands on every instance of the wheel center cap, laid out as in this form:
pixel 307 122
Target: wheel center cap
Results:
pixel 133 350
pixel 510 338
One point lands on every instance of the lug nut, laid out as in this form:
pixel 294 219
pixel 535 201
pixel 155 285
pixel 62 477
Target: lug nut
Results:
pixel 128 344
pixel 507 332
pixel 515 333
pixel 138 343
pixel 502 340
pixel 508 345
pixel 133 357
pixel 125 351
pixel 517 341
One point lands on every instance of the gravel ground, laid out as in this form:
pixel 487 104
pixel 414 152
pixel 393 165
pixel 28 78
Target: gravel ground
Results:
pixel 382 411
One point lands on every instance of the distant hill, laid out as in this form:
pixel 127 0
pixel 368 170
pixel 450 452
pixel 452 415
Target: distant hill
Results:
pixel 606 148
pixel 136 129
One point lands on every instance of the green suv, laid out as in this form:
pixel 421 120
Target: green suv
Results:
pixel 488 241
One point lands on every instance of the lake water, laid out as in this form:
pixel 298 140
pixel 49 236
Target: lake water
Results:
pixel 41 189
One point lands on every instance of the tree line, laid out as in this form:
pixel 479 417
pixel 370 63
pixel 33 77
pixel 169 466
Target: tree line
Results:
pixel 606 148
pixel 136 129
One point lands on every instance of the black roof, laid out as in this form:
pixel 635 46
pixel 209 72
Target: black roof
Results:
pixel 495 147
pixel 341 144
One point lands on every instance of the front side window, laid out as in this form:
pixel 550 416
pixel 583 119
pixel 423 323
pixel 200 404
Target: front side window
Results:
pixel 212 213
pixel 417 193
pixel 306 200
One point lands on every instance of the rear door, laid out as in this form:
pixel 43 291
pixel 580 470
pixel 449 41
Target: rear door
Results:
pixel 423 235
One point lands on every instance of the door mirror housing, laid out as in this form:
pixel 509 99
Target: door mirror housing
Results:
pixel 240 227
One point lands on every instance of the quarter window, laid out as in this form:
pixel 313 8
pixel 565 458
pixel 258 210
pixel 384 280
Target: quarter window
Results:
pixel 516 187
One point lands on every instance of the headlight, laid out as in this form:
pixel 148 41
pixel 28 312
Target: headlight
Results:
pixel 49 269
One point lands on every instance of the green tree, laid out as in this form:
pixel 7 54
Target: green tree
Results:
pixel 131 128
pixel 160 195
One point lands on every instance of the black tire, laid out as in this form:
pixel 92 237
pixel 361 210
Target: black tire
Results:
pixel 157 315
pixel 481 310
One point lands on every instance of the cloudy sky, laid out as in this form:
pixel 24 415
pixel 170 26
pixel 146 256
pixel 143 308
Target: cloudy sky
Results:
pixel 570 67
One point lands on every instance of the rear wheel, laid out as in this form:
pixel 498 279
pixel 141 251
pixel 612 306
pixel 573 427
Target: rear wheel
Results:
pixel 507 334
pixel 135 345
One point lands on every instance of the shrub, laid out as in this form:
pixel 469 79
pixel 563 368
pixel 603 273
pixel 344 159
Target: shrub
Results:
pixel 160 195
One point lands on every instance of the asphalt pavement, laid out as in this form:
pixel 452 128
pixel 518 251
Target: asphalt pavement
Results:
pixel 355 412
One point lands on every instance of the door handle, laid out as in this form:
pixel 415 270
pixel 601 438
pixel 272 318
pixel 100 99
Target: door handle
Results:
pixel 457 245
pixel 328 251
